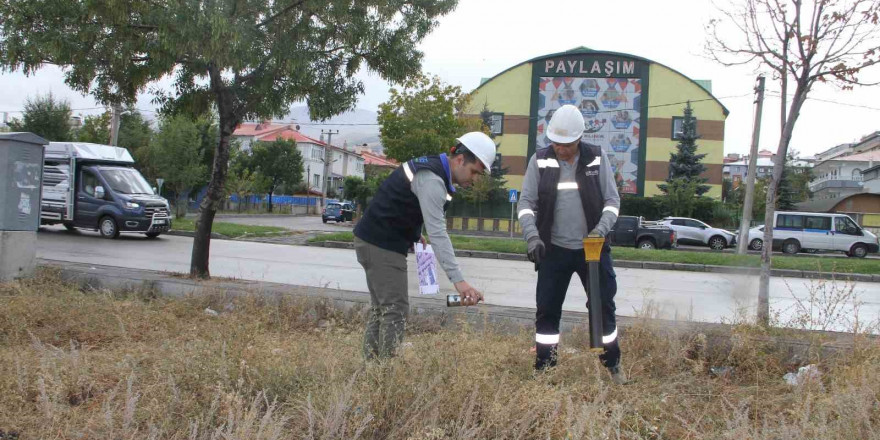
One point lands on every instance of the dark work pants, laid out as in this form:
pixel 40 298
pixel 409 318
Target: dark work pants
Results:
pixel 554 275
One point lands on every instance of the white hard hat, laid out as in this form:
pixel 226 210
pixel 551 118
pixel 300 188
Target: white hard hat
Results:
pixel 481 145
pixel 566 125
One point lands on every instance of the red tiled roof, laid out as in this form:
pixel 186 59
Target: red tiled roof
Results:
pixel 375 159
pixel 270 132
pixel 257 129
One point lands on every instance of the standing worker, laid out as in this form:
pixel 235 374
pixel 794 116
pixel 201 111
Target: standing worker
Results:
pixel 569 193
pixel 417 192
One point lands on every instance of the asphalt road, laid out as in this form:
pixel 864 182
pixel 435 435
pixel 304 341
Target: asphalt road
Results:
pixel 694 296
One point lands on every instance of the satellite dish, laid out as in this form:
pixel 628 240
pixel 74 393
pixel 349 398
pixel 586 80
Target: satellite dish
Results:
pixel 297 127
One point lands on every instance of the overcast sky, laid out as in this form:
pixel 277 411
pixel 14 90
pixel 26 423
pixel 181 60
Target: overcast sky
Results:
pixel 481 38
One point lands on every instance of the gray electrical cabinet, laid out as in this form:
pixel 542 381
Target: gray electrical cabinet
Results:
pixel 21 170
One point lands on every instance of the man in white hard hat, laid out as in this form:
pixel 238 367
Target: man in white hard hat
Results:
pixel 569 193
pixel 416 193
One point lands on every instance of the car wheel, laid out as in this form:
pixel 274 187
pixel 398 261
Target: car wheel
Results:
pixel 107 227
pixel 756 244
pixel 717 243
pixel 858 251
pixel 647 244
pixel 791 247
pixel 324 220
pixel 152 234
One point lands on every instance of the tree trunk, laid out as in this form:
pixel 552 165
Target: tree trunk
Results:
pixel 208 208
pixel 770 207
pixel 182 197
pixel 270 199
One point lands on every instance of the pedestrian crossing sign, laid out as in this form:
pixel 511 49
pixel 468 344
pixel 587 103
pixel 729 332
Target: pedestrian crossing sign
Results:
pixel 513 196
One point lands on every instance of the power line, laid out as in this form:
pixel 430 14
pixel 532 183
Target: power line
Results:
pixel 829 101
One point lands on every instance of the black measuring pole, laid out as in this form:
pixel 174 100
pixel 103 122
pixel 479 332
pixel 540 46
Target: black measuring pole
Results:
pixel 595 298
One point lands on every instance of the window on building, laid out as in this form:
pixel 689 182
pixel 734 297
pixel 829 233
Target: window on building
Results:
pixel 316 180
pixel 496 123
pixel 857 174
pixel 316 152
pixel 676 126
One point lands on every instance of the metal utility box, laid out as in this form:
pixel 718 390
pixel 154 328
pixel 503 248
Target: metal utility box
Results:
pixel 21 169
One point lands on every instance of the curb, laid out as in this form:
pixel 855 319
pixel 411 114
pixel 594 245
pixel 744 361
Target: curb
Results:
pixel 193 234
pixel 659 265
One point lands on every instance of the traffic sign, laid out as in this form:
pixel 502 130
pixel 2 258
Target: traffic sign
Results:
pixel 513 196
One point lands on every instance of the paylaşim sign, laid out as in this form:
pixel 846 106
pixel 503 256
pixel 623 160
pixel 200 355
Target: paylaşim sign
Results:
pixel 591 66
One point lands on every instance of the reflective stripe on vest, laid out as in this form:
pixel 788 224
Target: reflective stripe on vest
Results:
pixel 567 185
pixel 524 212
pixel 596 162
pixel 612 210
pixel 409 173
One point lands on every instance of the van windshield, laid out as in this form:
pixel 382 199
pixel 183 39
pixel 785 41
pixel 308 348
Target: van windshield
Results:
pixel 126 181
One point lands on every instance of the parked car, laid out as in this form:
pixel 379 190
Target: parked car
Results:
pixel 813 231
pixel 97 187
pixel 632 231
pixel 697 233
pixel 333 212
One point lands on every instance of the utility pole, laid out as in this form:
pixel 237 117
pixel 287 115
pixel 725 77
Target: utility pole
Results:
pixel 743 243
pixel 115 110
pixel 327 157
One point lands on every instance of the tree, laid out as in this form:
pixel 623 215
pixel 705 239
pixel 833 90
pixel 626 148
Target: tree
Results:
pixel 686 163
pixel 247 60
pixel 46 117
pixel 134 131
pixel 279 163
pixel 681 196
pixel 175 154
pixel 801 42
pixel 95 129
pixel 423 118
pixel 242 180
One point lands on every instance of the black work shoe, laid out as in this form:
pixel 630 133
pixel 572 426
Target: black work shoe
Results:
pixel 618 376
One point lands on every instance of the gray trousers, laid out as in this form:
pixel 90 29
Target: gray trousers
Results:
pixel 389 299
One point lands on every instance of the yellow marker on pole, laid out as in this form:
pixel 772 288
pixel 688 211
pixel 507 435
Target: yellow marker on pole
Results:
pixel 592 253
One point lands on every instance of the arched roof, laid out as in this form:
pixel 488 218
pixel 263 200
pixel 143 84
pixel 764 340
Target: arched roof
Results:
pixel 587 51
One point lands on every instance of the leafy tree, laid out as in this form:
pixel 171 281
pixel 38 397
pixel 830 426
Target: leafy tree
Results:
pixel 243 179
pixel 135 132
pixel 244 59
pixel 45 116
pixel 95 129
pixel 175 154
pixel 279 163
pixel 686 163
pixel 423 118
pixel 802 42
pixel 681 197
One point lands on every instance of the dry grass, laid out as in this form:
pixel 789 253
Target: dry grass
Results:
pixel 128 365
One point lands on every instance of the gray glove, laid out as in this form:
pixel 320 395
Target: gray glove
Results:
pixel 536 250
pixel 605 224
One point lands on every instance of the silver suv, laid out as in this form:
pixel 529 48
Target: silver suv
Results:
pixel 694 232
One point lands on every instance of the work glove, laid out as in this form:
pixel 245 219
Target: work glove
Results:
pixel 536 250
pixel 605 224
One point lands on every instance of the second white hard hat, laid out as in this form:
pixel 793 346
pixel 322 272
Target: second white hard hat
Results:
pixel 481 145
pixel 566 125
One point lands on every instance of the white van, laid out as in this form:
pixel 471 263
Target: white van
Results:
pixel 813 231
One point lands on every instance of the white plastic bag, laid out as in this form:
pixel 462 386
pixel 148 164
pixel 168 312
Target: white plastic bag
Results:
pixel 427 270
